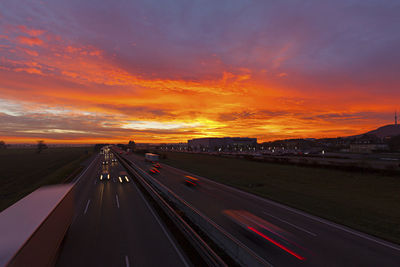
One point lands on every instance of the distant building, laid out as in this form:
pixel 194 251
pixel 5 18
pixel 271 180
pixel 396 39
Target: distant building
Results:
pixel 178 146
pixel 142 146
pixel 368 148
pixel 367 143
pixel 213 144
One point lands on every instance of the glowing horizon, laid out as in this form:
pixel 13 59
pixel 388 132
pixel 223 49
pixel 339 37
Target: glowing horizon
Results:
pixel 71 72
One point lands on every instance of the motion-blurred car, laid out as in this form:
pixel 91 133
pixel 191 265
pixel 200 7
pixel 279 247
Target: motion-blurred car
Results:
pixel 105 162
pixel 104 177
pixel 265 231
pixel 157 165
pixel 114 160
pixel 123 177
pixel 191 181
pixel 154 170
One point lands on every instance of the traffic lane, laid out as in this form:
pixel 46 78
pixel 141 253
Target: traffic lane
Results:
pixel 146 240
pixel 330 243
pixel 329 240
pixel 324 243
pixel 93 240
pixel 100 237
pixel 109 240
pixel 212 206
pixel 82 183
pixel 149 243
pixel 105 236
pixel 80 245
pixel 113 230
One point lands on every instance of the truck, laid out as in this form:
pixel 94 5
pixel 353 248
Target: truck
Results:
pixel 33 229
pixel 151 157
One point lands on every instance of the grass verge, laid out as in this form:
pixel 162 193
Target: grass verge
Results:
pixel 368 202
pixel 23 170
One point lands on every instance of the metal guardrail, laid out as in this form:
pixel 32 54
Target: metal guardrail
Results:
pixel 233 247
pixel 202 247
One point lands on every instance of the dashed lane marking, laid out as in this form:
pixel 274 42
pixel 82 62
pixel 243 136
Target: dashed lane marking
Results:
pixel 87 206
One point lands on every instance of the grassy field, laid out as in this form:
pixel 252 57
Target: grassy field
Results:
pixel 369 202
pixel 23 170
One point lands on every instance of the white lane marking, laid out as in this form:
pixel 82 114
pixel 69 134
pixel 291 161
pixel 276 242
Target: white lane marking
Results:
pixel 116 197
pixel 312 217
pixel 163 228
pixel 80 176
pixel 87 206
pixel 126 261
pixel 295 226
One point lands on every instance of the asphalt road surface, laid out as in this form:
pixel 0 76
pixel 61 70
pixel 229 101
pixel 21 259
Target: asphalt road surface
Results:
pixel 323 243
pixel 115 226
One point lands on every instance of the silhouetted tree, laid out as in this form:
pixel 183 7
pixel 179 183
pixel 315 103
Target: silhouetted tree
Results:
pixel 40 146
pixel 2 145
pixel 132 144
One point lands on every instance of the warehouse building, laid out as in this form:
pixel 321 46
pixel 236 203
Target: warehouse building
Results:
pixel 213 144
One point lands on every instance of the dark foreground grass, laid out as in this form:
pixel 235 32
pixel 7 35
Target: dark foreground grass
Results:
pixel 369 202
pixel 23 170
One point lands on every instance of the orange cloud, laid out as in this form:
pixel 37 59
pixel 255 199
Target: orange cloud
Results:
pixel 233 102
pixel 30 41
pixel 30 31
pixel 29 70
pixel 30 52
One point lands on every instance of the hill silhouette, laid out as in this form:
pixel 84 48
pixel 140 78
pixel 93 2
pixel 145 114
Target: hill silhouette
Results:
pixel 386 131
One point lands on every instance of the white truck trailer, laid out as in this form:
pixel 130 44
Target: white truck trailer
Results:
pixel 32 230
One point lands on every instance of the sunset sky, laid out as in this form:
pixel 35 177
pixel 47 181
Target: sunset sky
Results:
pixel 167 71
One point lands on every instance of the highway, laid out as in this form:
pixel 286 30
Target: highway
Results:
pixel 323 243
pixel 114 225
